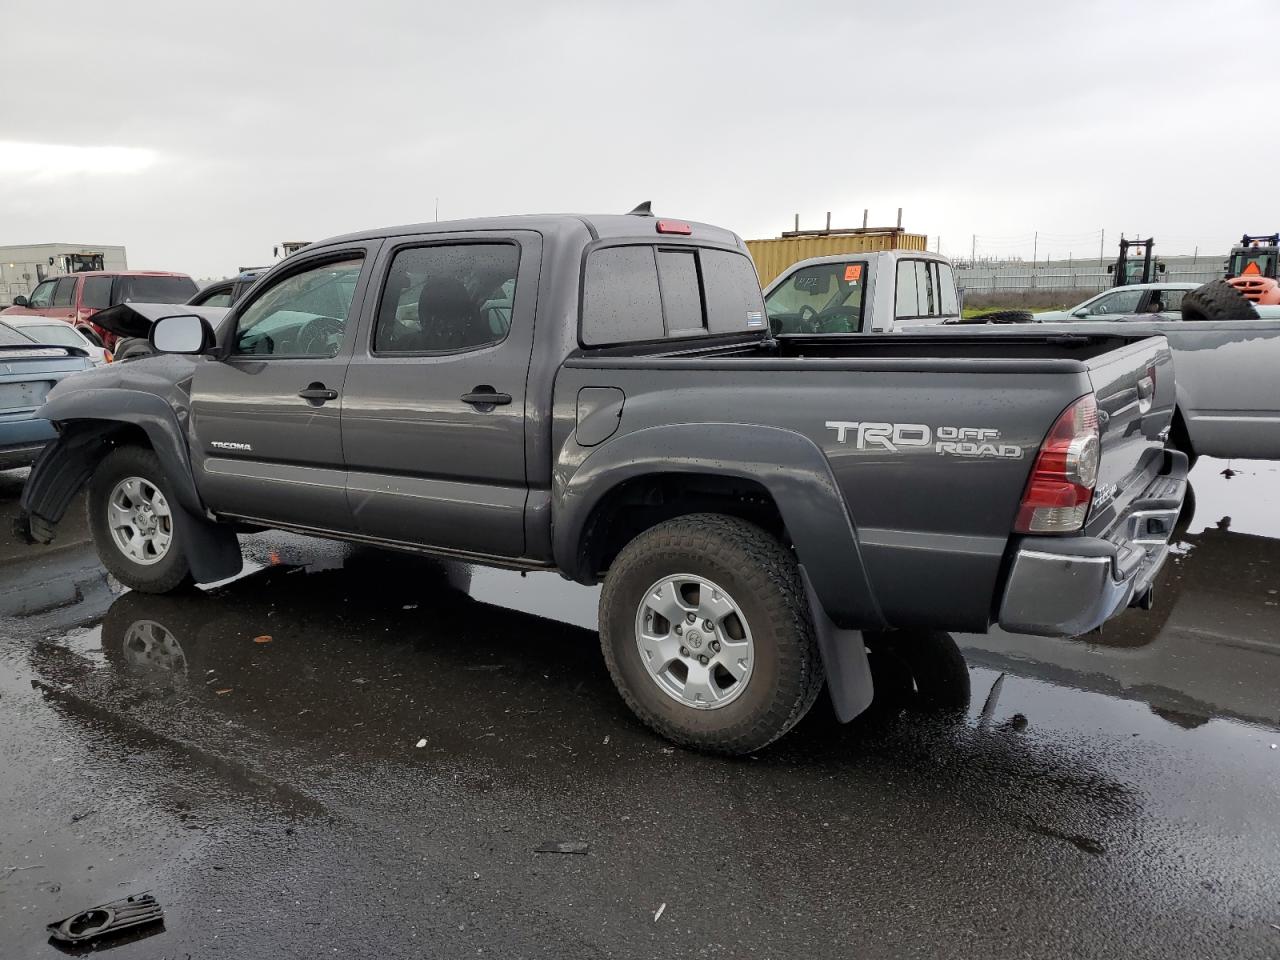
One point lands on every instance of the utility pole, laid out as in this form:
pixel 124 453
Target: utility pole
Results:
pixel 1035 249
pixel 1102 246
pixel 437 209
pixel 973 249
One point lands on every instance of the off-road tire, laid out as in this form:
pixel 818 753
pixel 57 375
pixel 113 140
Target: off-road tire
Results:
pixel 1217 300
pixel 764 579
pixel 167 574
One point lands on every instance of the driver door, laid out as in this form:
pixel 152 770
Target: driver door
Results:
pixel 266 417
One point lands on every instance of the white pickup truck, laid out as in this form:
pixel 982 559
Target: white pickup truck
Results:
pixel 874 292
pixel 1226 352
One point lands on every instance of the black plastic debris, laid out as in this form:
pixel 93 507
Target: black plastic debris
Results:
pixel 563 846
pixel 108 919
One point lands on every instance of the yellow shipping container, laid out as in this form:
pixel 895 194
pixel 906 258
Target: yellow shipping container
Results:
pixel 774 256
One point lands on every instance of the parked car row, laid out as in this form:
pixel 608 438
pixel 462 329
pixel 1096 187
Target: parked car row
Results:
pixel 77 297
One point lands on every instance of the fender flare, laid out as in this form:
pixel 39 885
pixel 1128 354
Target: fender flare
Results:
pixel 790 466
pixel 87 420
pixel 111 406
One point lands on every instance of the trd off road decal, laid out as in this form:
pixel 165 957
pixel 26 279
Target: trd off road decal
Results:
pixel 959 441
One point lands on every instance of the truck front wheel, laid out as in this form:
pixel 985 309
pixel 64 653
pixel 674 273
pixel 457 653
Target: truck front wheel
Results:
pixel 707 634
pixel 132 518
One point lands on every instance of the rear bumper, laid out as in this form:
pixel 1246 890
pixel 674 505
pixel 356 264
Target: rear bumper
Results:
pixel 1066 586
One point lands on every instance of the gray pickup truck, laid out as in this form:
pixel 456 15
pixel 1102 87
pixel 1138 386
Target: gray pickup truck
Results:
pixel 602 396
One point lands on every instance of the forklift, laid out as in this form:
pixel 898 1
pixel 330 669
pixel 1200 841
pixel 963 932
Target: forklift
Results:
pixel 1251 268
pixel 1136 263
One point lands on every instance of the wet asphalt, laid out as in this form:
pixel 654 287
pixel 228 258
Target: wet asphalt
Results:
pixel 345 752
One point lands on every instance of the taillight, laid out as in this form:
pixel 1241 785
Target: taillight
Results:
pixel 674 226
pixel 107 357
pixel 1060 489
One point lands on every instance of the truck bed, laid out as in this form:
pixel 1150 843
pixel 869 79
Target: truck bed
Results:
pixel 919 512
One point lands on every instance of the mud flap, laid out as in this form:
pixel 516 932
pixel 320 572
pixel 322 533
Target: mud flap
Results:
pixel 213 552
pixel 844 655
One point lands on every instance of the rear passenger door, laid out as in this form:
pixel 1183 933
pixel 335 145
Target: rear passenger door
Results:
pixel 434 412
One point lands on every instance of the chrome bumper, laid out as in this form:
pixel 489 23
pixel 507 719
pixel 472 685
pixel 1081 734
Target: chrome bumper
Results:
pixel 1063 587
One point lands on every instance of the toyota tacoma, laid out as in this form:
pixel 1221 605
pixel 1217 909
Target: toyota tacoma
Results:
pixel 603 396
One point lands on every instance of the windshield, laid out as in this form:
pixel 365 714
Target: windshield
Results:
pixel 154 289
pixel 823 298
pixel 58 334
pixel 1261 263
pixel 10 337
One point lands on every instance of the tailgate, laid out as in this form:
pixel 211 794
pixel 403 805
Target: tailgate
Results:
pixel 1135 393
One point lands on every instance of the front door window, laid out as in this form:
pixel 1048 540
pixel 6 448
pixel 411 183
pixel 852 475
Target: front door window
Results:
pixel 303 315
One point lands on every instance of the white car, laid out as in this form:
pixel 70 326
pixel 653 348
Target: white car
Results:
pixel 58 334
pixel 1126 301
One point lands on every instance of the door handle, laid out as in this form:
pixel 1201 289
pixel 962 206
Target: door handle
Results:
pixel 485 397
pixel 317 393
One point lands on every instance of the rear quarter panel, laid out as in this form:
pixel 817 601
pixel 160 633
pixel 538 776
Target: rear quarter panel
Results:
pixel 932 526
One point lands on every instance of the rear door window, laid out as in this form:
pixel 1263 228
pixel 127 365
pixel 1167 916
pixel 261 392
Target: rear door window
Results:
pixel 65 294
pixel 97 293
pixel 447 298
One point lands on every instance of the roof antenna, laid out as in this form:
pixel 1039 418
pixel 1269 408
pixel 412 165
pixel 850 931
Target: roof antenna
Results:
pixel 642 210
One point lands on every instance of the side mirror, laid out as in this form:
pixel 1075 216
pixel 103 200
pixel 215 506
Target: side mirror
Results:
pixel 1161 267
pixel 1111 268
pixel 20 301
pixel 1082 312
pixel 185 333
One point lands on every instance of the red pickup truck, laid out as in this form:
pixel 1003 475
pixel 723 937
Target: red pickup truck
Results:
pixel 77 297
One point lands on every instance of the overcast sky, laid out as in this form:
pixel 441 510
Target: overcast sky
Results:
pixel 199 142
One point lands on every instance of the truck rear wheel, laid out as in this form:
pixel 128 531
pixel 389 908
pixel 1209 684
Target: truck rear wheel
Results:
pixel 708 636
pixel 132 518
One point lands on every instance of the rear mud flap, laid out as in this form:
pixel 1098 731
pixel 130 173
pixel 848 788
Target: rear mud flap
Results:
pixel 844 655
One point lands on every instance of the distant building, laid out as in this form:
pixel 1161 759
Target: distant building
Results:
pixel 22 267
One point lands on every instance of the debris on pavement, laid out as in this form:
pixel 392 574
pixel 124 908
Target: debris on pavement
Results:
pixel 223 692
pixel 421 743
pixel 563 846
pixel 661 907
pixel 265 638
pixel 107 919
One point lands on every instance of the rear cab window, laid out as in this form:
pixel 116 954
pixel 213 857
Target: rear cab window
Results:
pixel 643 292
pixel 924 291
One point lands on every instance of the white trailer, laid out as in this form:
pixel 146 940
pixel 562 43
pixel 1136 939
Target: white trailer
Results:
pixel 23 266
